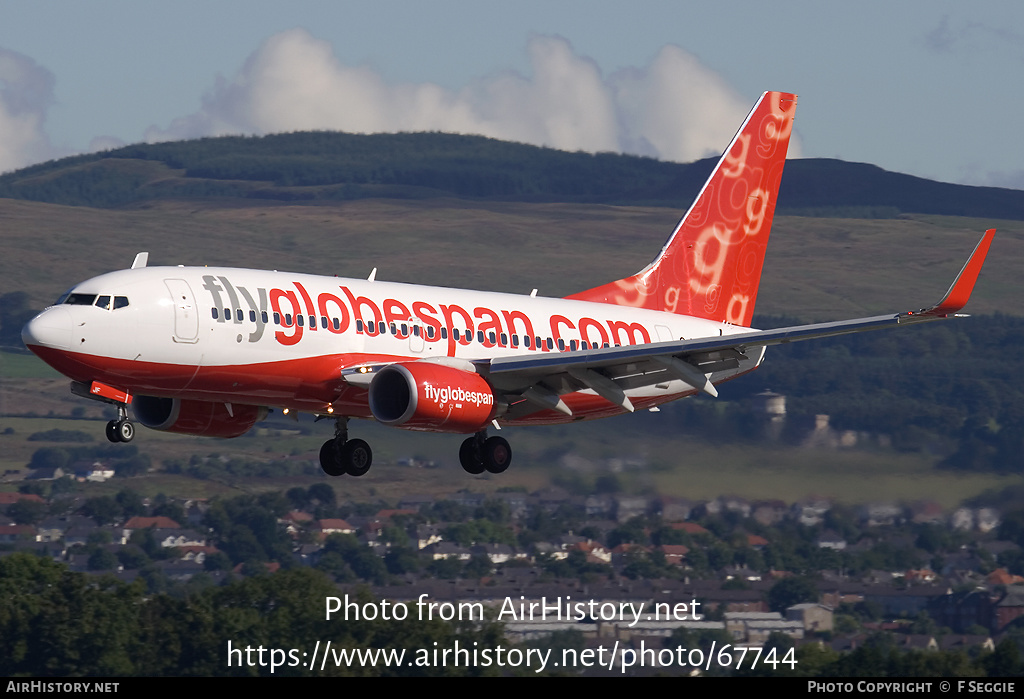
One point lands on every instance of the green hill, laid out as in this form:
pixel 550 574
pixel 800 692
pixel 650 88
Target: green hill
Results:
pixel 315 167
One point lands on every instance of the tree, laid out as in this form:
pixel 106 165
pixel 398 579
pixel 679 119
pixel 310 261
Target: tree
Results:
pixel 323 493
pixel 50 457
pixel 102 559
pixel 789 591
pixel 26 511
pixel 103 509
pixel 401 560
pixel 130 502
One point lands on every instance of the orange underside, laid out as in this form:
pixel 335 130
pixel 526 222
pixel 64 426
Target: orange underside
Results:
pixel 308 384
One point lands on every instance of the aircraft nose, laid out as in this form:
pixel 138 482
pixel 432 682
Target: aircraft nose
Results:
pixel 51 328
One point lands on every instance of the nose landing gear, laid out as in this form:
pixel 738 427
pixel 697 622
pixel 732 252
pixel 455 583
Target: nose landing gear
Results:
pixel 121 429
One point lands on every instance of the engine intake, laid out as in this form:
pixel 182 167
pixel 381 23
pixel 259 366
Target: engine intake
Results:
pixel 432 398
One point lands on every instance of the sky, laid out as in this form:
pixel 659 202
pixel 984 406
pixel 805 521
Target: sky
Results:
pixel 926 87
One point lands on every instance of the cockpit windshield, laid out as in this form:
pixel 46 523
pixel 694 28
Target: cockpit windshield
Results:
pixel 101 301
pixel 80 299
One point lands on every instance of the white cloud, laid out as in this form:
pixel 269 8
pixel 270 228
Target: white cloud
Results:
pixel 674 109
pixel 26 93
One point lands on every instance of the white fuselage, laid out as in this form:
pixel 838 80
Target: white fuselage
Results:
pixel 282 339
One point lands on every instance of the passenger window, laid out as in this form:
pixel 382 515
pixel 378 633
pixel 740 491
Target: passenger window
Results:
pixel 444 334
pixel 515 340
pixel 572 345
pixel 301 320
pixel 288 320
pixel 359 325
pixel 527 342
pixel 337 323
pixel 227 314
pixel 238 315
pixel 480 336
pixel 490 338
pixel 263 316
pixel 382 327
pixel 214 312
pixel 277 318
pixel 394 330
pixel 551 343
pixel 504 339
pixel 312 321
pixel 405 330
pixel 416 330
pixel 252 316
pixel 561 344
pixel 323 322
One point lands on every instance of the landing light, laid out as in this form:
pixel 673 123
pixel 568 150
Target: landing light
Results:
pixel 284 411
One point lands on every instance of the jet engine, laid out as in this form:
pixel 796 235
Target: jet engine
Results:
pixel 196 417
pixel 432 397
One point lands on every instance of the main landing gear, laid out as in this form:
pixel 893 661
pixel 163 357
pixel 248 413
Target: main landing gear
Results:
pixel 481 453
pixel 342 455
pixel 121 429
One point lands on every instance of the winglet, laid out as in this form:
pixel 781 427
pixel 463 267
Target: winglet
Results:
pixel 960 292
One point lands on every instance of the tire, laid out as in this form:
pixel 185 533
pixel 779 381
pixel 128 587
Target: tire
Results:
pixel 497 455
pixel 469 457
pixel 329 462
pixel 356 457
pixel 111 431
pixel 125 431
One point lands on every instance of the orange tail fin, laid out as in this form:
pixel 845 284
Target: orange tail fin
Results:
pixel 711 265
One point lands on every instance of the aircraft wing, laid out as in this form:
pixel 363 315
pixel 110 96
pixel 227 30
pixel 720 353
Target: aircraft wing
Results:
pixel 541 378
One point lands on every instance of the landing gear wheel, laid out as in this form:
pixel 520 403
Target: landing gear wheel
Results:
pixel 120 431
pixel 470 457
pixel 329 461
pixel 497 455
pixel 125 431
pixel 356 457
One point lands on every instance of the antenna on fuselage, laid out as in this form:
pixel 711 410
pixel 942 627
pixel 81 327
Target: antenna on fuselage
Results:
pixel 140 260
pixel 373 275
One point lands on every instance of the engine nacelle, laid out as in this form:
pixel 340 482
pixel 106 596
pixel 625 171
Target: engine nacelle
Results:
pixel 196 416
pixel 432 397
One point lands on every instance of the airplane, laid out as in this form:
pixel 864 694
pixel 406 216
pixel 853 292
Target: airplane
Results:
pixel 208 351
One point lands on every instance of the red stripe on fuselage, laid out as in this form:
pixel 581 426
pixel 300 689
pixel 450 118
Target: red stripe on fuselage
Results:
pixel 306 384
pixel 309 383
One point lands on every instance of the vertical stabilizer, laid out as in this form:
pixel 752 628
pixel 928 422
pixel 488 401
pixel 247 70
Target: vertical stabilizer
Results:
pixel 711 265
